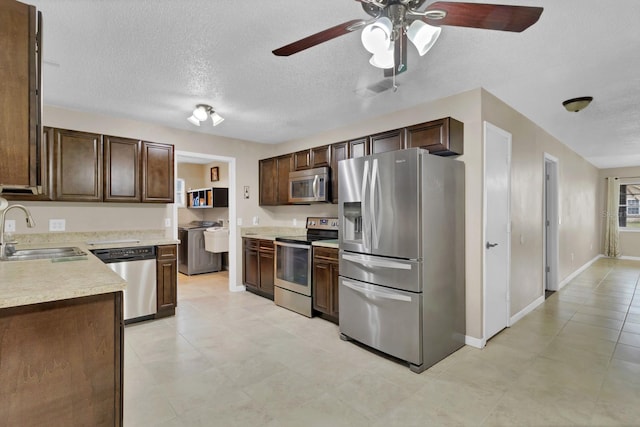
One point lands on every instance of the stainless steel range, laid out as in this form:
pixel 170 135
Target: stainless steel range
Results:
pixel 293 262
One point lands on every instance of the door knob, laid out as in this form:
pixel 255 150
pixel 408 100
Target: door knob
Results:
pixel 491 245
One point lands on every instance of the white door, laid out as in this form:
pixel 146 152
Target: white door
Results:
pixel 551 223
pixel 497 187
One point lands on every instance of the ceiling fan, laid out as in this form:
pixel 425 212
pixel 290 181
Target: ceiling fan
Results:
pixel 393 21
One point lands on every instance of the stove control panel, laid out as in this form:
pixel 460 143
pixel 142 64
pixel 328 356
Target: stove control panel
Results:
pixel 322 223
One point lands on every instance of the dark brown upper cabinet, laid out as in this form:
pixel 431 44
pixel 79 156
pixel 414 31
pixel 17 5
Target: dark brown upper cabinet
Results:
pixel 387 141
pixel 321 156
pixel 443 137
pixel 302 160
pixel 121 169
pixel 157 172
pixel 20 100
pixel 339 151
pixel 78 166
pixel 359 147
pixel 274 180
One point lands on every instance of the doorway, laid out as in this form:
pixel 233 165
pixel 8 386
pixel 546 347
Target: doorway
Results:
pixel 202 158
pixel 497 229
pixel 551 222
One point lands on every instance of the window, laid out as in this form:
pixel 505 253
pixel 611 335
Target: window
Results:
pixel 629 210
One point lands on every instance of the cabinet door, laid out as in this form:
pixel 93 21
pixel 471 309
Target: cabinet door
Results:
pixel 321 286
pixel 339 151
pixel 267 182
pixel 443 137
pixel 157 172
pixel 359 148
pixel 321 156
pixel 20 100
pixel 302 160
pixel 335 282
pixel 78 166
pixel 266 271
pixel 388 141
pixel 167 278
pixel 250 271
pixel 284 166
pixel 121 169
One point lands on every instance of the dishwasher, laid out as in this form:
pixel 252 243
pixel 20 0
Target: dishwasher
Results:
pixel 136 265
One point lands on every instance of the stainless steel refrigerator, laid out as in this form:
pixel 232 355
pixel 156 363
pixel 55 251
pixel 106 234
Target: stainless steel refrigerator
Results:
pixel 402 269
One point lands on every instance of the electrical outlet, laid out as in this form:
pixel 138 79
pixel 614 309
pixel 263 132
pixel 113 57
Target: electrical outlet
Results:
pixel 57 225
pixel 238 221
pixel 295 222
pixel 256 220
pixel 167 222
pixel 10 226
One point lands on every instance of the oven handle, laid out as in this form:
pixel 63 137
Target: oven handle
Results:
pixel 292 245
pixel 377 263
pixel 371 292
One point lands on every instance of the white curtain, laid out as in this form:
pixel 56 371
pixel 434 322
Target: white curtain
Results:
pixel 612 230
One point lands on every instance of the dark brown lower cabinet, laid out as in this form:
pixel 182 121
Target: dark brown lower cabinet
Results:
pixel 325 282
pixel 62 362
pixel 167 280
pixel 258 266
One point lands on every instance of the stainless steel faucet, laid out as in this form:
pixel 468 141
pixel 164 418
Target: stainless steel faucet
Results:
pixel 7 248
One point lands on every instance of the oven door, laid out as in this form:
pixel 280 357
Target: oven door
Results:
pixel 293 267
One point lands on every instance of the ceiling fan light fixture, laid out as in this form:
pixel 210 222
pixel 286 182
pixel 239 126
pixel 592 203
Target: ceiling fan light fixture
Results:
pixel 193 120
pixel 576 104
pixel 383 59
pixel 422 35
pixel 376 37
pixel 216 118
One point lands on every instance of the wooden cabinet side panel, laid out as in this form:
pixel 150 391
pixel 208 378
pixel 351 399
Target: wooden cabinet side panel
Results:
pixel 266 271
pixel 121 169
pixel 157 172
pixel 284 166
pixel 62 362
pixel 339 151
pixel 267 182
pixel 78 166
pixel 250 266
pixel 17 75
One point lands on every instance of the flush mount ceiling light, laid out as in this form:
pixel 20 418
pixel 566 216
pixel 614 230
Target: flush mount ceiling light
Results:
pixel 576 104
pixel 201 113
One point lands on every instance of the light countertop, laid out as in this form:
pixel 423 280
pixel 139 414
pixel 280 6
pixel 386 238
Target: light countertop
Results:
pixel 37 281
pixel 326 243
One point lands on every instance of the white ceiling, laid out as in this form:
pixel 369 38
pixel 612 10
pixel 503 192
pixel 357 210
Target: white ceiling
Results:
pixel 154 60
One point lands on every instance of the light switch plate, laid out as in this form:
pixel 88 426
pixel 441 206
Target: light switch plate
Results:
pixel 57 225
pixel 167 222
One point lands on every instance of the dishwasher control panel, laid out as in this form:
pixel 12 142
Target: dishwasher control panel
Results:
pixel 132 253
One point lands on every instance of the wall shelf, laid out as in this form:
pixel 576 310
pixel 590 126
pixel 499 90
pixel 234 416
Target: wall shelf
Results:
pixel 211 197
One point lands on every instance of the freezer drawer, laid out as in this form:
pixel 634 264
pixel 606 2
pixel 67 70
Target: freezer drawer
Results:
pixel 392 272
pixel 386 319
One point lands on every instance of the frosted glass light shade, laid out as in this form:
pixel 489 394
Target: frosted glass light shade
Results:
pixel 216 118
pixel 200 113
pixel 376 37
pixel 422 35
pixel 193 120
pixel 383 59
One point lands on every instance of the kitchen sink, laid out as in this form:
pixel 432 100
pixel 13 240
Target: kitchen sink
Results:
pixel 45 253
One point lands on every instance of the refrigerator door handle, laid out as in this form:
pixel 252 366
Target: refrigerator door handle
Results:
pixel 377 263
pixel 375 213
pixel 376 293
pixel 366 226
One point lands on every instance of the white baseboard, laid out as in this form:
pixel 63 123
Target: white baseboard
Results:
pixel 474 342
pixel 578 271
pixel 631 258
pixel 528 309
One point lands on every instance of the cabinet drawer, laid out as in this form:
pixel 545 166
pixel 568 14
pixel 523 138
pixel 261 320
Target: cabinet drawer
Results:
pixel 265 245
pixel 251 244
pixel 167 252
pixel 328 254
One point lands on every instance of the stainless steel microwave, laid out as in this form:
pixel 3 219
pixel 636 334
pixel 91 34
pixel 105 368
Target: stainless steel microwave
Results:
pixel 309 186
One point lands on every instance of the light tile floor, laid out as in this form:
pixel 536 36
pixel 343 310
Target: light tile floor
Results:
pixel 236 359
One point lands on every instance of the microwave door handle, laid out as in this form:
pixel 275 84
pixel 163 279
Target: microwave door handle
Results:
pixel 316 187
pixel 363 205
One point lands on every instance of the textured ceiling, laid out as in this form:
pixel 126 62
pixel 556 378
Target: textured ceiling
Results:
pixel 154 60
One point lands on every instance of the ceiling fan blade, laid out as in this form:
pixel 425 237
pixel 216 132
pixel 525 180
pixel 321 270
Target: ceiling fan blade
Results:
pixel 486 16
pixel 321 37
